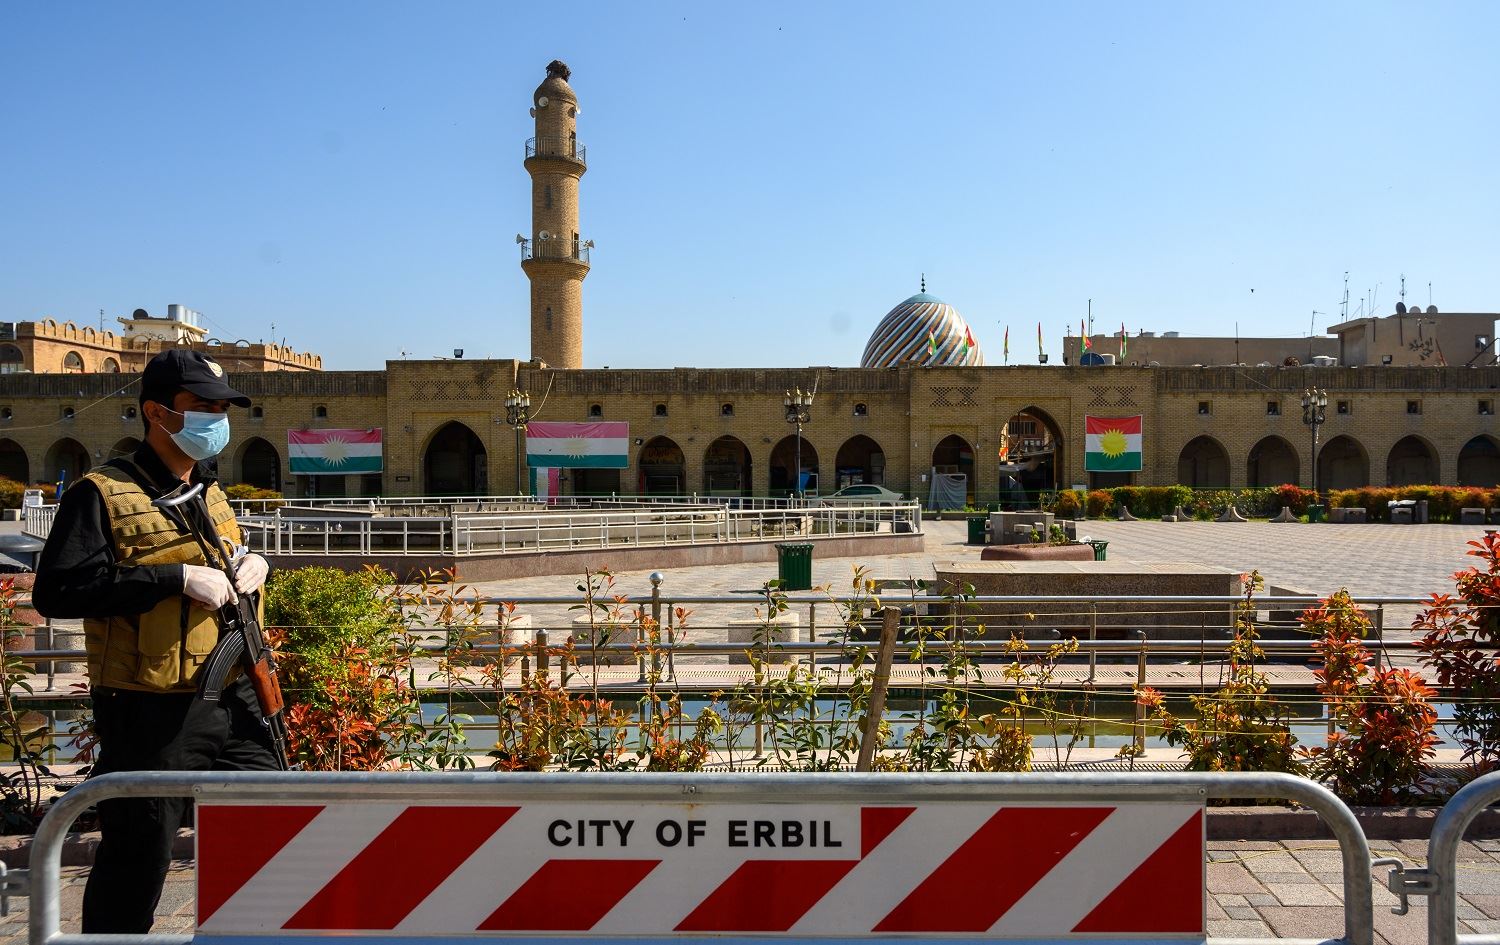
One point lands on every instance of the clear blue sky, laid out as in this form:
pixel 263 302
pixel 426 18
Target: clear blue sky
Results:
pixel 765 180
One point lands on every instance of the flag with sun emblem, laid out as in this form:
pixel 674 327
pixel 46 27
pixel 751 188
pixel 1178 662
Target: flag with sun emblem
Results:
pixel 578 445
pixel 333 452
pixel 1112 444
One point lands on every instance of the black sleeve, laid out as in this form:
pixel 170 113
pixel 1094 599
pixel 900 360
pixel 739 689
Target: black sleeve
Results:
pixel 78 575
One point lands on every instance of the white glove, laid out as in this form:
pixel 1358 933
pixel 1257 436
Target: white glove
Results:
pixel 250 573
pixel 208 586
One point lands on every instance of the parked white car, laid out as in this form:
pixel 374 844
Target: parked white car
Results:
pixel 863 495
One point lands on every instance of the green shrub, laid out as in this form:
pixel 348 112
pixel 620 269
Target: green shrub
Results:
pixel 10 493
pixel 1068 504
pixel 345 663
pixel 1100 502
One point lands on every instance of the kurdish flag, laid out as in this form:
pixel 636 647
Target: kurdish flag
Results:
pixel 578 445
pixel 1112 444
pixel 334 452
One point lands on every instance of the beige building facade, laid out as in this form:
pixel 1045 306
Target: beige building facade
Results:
pixel 723 431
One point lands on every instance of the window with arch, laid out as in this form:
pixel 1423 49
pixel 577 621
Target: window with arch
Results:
pixel 12 361
pixel 68 413
pixel 7 414
pixel 321 412
pixel 549 318
pixel 257 412
pixel 596 410
pixel 129 413
pixel 73 363
pixel 660 411
pixel 726 410
pixel 111 366
pixel 860 410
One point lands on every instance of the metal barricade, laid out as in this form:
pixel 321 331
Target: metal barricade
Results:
pixel 832 857
pixel 1439 880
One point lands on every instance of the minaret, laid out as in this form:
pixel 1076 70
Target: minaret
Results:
pixel 555 259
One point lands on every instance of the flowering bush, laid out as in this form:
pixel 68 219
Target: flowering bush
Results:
pixel 1383 736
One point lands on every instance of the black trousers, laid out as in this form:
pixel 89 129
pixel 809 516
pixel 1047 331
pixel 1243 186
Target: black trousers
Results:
pixel 144 731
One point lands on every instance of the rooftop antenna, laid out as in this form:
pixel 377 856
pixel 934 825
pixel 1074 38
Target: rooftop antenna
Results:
pixel 1312 329
pixel 1344 310
pixel 1091 318
pixel 1403 287
pixel 101 319
pixel 1429 293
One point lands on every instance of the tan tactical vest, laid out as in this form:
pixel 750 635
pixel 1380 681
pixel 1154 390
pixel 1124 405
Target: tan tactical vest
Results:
pixel 160 650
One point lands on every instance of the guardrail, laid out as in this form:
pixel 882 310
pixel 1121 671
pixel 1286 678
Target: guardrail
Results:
pixel 496 502
pixel 872 855
pixel 37 520
pixel 469 533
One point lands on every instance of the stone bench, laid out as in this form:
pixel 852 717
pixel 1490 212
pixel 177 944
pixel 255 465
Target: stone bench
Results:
pixel 756 632
pixel 1402 515
pixel 1348 516
pixel 1471 516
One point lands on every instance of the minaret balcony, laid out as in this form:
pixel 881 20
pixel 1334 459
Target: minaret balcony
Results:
pixel 562 149
pixel 573 250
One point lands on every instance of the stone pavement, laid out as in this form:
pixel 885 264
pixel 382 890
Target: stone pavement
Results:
pixel 1370 560
pixel 1288 889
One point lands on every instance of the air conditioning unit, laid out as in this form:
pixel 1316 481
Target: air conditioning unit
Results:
pixel 1108 358
pixel 1323 360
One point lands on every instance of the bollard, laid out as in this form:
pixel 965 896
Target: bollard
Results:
pixel 543 658
pixel 870 738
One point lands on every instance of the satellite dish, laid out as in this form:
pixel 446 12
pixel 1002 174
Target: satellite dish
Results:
pixel 140 313
pixel 1400 308
pixel 1432 310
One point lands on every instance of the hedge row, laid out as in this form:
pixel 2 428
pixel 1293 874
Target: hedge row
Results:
pixel 1443 502
pixel 11 492
pixel 1156 501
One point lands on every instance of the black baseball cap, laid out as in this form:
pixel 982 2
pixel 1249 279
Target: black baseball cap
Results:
pixel 189 370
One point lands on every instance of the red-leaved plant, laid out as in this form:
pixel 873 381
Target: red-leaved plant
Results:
pixel 1460 636
pixel 1383 720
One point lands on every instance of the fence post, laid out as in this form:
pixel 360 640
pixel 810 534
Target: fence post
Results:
pixel 870 738
pixel 656 578
pixel 543 658
pixel 1093 638
pixel 1140 683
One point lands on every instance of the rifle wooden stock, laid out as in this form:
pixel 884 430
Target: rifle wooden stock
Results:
pixel 267 686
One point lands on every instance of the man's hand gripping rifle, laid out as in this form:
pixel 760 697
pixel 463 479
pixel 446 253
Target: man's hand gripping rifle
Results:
pixel 241 641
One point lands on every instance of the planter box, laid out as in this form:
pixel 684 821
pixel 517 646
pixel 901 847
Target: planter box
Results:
pixel 1037 553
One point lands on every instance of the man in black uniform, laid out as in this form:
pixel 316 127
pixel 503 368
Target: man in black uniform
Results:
pixel 148 598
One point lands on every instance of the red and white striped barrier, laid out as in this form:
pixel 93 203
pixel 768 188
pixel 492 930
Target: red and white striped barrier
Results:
pixel 609 869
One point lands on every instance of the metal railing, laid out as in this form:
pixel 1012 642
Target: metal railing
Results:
pixel 774 794
pixel 505 502
pixel 557 147
pixel 37 520
pixel 555 248
pixel 1440 879
pixel 468 533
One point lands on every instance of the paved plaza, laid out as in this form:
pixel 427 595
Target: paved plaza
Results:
pixel 1256 889
pixel 1370 560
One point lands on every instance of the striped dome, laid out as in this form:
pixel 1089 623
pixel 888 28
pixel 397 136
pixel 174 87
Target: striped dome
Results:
pixel 902 336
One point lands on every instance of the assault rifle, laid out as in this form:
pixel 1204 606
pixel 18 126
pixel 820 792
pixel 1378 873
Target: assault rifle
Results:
pixel 240 640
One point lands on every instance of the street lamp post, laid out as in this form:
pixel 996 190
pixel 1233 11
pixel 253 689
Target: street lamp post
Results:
pixel 798 411
pixel 517 414
pixel 1314 410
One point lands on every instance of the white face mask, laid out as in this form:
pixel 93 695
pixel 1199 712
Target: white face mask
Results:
pixel 203 435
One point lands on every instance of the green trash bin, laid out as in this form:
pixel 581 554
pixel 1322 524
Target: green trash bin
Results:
pixel 794 566
pixel 1315 513
pixel 1099 549
pixel 977 529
